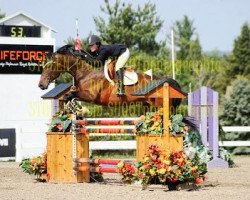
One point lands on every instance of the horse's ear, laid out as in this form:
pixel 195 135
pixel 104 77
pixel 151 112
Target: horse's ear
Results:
pixel 49 55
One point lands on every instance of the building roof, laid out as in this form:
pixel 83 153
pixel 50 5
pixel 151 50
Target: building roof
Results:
pixel 27 16
pixel 152 85
pixel 57 91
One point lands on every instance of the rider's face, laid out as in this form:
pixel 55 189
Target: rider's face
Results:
pixel 93 47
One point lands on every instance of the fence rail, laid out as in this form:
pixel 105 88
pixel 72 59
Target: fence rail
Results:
pixel 226 129
pixel 131 144
pixel 236 128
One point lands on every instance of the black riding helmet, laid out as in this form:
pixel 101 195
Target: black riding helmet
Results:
pixel 94 39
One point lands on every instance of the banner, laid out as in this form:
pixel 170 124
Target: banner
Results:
pixel 23 59
pixel 7 143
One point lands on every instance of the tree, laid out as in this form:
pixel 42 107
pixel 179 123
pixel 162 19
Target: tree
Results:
pixel 240 59
pixel 194 51
pixel 2 15
pixel 184 31
pixel 189 53
pixel 137 28
pixel 236 110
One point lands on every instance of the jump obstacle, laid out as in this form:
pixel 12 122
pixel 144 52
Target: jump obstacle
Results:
pixel 203 105
pixel 72 165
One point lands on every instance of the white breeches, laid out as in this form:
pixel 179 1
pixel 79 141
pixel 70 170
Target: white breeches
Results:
pixel 122 59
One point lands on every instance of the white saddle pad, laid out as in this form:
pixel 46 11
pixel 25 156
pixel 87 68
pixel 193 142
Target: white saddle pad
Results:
pixel 130 78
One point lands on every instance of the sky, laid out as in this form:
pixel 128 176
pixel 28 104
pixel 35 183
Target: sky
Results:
pixel 217 22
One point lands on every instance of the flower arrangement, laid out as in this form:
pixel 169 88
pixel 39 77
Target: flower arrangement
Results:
pixel 173 168
pixel 36 165
pixel 193 147
pixel 177 125
pixel 150 124
pixel 127 170
pixel 60 122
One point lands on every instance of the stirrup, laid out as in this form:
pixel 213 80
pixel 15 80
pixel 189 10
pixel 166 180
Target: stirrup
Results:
pixel 119 93
pixel 120 89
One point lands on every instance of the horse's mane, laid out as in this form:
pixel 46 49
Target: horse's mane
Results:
pixel 83 54
pixel 65 49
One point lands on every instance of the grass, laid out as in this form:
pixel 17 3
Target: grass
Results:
pixel 114 154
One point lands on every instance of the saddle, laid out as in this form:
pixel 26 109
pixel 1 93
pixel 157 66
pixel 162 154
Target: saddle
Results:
pixel 130 76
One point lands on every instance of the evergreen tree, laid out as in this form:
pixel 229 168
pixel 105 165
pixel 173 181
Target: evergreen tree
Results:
pixel 2 15
pixel 194 51
pixel 236 109
pixel 189 53
pixel 184 32
pixel 240 58
pixel 137 28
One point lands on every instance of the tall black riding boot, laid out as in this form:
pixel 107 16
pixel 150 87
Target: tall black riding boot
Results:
pixel 120 90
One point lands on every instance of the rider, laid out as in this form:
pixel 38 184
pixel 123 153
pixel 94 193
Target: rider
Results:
pixel 103 52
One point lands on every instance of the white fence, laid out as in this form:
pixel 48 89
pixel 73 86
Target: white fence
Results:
pixel 131 144
pixel 243 129
pixel 31 142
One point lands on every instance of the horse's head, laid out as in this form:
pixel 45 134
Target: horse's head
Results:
pixel 56 63
pixel 66 59
pixel 49 74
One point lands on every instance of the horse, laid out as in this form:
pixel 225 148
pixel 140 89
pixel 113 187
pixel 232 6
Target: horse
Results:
pixel 91 84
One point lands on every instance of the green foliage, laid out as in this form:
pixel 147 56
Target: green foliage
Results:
pixel 214 75
pixel 36 165
pixel 137 28
pixel 142 62
pixel 184 33
pixel 240 58
pixel 2 15
pixel 60 123
pixel 236 110
pixel 189 55
pixel 176 125
pixel 110 137
pixel 64 78
pixel 195 51
pixel 150 124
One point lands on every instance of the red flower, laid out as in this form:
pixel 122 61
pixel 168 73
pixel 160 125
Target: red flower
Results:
pixel 198 180
pixel 141 175
pixel 59 127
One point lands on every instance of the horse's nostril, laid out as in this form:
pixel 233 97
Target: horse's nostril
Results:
pixel 41 86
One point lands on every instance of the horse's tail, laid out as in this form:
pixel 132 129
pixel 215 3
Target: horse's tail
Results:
pixel 192 122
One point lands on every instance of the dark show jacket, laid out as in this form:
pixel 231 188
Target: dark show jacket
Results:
pixel 106 51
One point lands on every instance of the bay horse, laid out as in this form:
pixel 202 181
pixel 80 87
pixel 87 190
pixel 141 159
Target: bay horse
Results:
pixel 91 84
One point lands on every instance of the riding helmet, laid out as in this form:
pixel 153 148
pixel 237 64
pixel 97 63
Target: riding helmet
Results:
pixel 94 39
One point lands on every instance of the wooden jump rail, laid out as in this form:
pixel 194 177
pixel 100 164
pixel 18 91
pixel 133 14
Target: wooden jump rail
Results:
pixel 107 125
pixel 99 165
pixel 101 161
pixel 116 130
pixel 98 169
pixel 108 121
pixel 68 164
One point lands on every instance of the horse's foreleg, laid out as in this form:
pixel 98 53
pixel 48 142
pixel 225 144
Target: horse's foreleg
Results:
pixel 69 96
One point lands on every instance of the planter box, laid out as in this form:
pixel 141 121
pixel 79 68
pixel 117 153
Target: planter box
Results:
pixel 60 157
pixel 166 142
